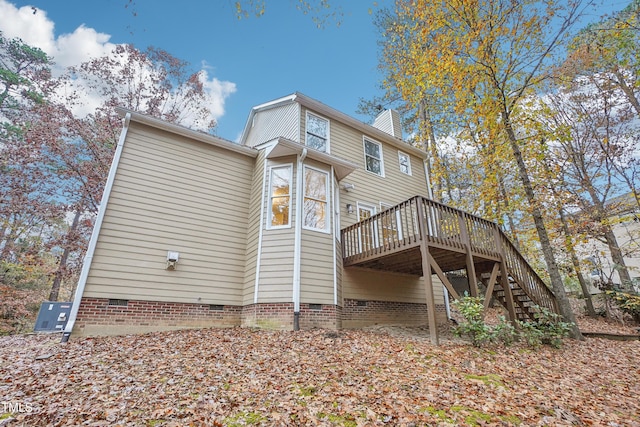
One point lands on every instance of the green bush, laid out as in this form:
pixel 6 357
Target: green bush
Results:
pixel 547 328
pixel 628 302
pixel 472 309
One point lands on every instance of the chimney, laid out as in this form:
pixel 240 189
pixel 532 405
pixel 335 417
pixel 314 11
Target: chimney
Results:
pixel 389 121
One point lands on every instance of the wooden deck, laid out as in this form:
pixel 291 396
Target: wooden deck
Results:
pixel 420 233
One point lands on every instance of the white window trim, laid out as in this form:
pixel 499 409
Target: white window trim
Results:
pixel 328 211
pixel 400 154
pixel 269 196
pixel 384 207
pixel 373 208
pixel 328 150
pixel 364 154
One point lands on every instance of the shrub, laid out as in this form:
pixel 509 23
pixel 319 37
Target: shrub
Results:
pixel 474 326
pixel 547 328
pixel 628 302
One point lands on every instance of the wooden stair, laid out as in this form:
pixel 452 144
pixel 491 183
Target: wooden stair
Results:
pixel 420 234
pixel 525 307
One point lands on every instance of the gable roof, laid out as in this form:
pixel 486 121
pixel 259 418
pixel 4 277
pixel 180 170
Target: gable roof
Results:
pixel 334 114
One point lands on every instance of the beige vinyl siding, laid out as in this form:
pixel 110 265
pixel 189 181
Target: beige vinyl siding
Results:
pixel 316 268
pixel 173 193
pixel 394 187
pixel 280 121
pixel 316 254
pixel 374 285
pixel 276 264
pixel 253 228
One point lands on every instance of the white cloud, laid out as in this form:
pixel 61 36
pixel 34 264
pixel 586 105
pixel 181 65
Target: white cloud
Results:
pixel 37 30
pixel 84 43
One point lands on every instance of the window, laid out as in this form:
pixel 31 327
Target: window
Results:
pixel 391 224
pixel 315 216
pixel 367 234
pixel 317 133
pixel 405 163
pixel 373 157
pixel 279 196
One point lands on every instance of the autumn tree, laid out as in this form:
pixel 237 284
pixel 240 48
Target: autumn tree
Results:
pixel 485 58
pixel 26 193
pixel 595 133
pixel 56 149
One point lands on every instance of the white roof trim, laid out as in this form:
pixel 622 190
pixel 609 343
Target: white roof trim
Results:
pixel 186 132
pixel 331 113
pixel 284 147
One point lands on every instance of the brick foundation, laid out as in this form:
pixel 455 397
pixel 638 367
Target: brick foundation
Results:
pixel 280 316
pixel 100 316
pixel 97 316
pixel 359 313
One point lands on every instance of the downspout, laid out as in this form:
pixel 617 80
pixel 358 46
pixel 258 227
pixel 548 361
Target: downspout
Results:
pixel 333 236
pixel 86 264
pixel 297 242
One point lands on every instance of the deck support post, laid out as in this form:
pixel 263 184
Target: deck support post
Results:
pixel 508 295
pixel 471 268
pixel 504 279
pixel 491 284
pixel 426 275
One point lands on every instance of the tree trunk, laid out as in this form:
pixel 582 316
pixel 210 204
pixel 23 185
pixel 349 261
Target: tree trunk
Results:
pixel 512 225
pixel 576 265
pixel 57 280
pixel 427 125
pixel 612 242
pixel 543 235
pixel 628 91
pixel 618 259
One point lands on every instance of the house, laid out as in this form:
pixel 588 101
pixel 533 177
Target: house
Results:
pixel 314 219
pixel 624 219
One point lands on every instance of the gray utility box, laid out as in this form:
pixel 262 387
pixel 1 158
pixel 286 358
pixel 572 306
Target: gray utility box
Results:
pixel 53 316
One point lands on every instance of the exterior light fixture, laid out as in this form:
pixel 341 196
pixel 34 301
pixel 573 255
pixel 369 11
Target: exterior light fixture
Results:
pixel 349 208
pixel 348 187
pixel 172 259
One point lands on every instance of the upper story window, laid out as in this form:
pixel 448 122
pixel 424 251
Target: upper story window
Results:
pixel 405 163
pixel 280 196
pixel 373 157
pixel 317 133
pixel 316 200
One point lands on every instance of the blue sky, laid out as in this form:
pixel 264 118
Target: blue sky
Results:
pixel 265 58
pixel 249 61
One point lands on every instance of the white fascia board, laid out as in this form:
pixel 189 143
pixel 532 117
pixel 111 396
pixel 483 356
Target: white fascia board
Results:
pixel 365 128
pixel 275 103
pixel 189 133
pixel 95 233
pixel 286 147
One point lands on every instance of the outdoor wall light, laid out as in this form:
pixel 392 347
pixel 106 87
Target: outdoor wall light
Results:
pixel 349 208
pixel 172 259
pixel 348 187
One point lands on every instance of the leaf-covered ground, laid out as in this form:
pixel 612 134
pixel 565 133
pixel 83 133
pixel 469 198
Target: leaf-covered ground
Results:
pixel 350 377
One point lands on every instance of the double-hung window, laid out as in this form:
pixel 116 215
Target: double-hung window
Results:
pixel 280 196
pixel 405 163
pixel 316 200
pixel 317 133
pixel 373 157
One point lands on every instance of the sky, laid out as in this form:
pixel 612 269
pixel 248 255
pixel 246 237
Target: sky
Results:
pixel 247 61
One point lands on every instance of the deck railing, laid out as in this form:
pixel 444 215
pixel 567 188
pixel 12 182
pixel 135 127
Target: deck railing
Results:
pixel 398 228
